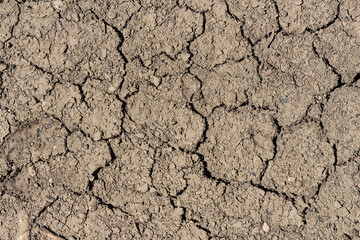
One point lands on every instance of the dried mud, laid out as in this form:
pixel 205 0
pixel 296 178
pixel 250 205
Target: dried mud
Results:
pixel 209 119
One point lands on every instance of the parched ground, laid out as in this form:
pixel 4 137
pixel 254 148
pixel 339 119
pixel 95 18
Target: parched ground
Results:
pixel 187 119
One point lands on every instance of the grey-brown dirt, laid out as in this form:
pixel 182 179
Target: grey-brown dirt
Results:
pixel 180 119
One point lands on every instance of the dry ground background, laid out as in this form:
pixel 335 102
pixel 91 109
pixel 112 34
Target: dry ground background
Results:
pixel 188 119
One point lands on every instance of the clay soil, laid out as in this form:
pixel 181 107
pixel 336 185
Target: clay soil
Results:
pixel 187 119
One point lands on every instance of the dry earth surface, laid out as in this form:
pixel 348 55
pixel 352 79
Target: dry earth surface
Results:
pixel 180 119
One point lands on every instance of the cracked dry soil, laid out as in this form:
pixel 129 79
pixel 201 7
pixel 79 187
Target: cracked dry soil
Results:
pixel 187 119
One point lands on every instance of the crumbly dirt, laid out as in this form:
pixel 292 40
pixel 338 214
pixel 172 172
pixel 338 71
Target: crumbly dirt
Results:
pixel 180 119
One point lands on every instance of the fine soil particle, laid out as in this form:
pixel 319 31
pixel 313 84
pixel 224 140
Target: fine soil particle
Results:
pixel 188 119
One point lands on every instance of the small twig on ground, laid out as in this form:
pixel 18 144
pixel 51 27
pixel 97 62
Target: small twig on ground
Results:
pixel 50 234
pixel 23 230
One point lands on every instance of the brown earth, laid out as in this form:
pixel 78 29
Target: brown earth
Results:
pixel 187 119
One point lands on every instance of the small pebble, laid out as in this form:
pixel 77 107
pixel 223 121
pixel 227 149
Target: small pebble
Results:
pixel 291 195
pixel 80 136
pixel 171 20
pixel 185 56
pixel 147 62
pixel 12 66
pixel 155 80
pixel 32 171
pixel 268 72
pixel 194 157
pixel 254 4
pixel 283 101
pixel 112 88
pixel 168 49
pixel 266 227
pixel 336 99
pixel 2 67
pixel 283 13
pixel 57 5
pixel 284 67
pixel 132 89
pixel 51 198
pixel 45 105
pixel 38 132
pixel 142 188
pixel 337 204
pixel 92 204
pixel 3 104
pixel 291 179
